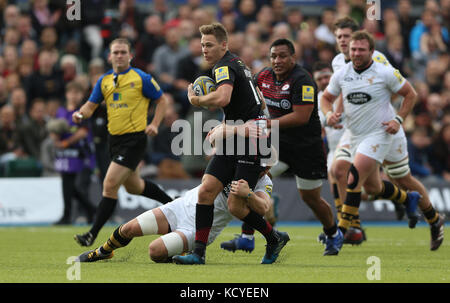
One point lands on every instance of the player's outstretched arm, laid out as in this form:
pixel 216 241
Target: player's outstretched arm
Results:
pixel 85 112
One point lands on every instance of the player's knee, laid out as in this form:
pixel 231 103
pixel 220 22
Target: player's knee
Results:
pixel 206 193
pixel 130 229
pixel 235 206
pixel 353 177
pixel 133 188
pixel 110 187
pixel 157 251
pixel 340 170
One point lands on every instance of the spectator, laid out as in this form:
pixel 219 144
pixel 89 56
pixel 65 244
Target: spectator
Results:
pixel 441 153
pixel 48 38
pixel 149 41
pixel 169 165
pixel 294 19
pixel 34 132
pixel 427 21
pixel 42 16
pixel 305 48
pixel 10 17
pixel 70 67
pixel 166 57
pixel 131 18
pixel 74 153
pixel 3 92
pixel 278 10
pixel 265 22
pixel 46 82
pixel 9 145
pixel 93 13
pixel 419 150
pixel 25 28
pixel 11 60
pixel 394 53
pixel 247 14
pixel 324 33
pixel 188 69
pixel 18 100
pixel 435 108
pixel 407 22
pixel 225 8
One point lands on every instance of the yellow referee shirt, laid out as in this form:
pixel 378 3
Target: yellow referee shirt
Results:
pixel 127 96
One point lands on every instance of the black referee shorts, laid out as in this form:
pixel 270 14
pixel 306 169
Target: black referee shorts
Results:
pixel 128 149
pixel 233 168
pixel 307 162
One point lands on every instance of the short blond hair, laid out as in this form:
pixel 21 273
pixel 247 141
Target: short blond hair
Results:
pixel 121 41
pixel 216 29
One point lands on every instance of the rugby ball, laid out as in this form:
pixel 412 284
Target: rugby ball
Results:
pixel 203 85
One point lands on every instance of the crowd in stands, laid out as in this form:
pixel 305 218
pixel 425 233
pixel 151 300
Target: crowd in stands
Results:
pixel 42 51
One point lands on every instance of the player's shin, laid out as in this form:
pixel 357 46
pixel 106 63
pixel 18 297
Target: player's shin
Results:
pixel 257 222
pixel 116 240
pixel 430 214
pixel 337 201
pixel 350 209
pixel 203 222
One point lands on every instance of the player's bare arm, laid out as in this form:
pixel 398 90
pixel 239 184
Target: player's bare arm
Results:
pixel 410 97
pixel 219 98
pixel 300 115
pixel 160 112
pixel 85 112
pixel 326 106
pixel 259 201
pixel 222 131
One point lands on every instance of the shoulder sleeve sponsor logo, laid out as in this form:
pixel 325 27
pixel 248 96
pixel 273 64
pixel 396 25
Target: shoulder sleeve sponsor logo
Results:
pixel 269 190
pixel 155 84
pixel 358 98
pixel 380 59
pixel 222 73
pixel 307 93
pixel 398 75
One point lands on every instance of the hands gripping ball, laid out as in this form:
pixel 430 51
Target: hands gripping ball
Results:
pixel 203 85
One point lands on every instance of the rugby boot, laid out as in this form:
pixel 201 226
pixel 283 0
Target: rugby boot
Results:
pixel 94 255
pixel 189 259
pixel 334 244
pixel 86 239
pixel 273 249
pixel 437 233
pixel 354 236
pixel 239 243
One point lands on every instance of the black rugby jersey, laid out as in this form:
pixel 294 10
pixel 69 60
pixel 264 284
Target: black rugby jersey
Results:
pixel 298 89
pixel 245 103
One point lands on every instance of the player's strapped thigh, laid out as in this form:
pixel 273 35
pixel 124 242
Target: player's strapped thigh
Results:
pixel 148 223
pixel 128 149
pixel 397 170
pixel 174 243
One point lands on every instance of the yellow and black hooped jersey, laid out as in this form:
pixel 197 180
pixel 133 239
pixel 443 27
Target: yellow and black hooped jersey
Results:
pixel 127 96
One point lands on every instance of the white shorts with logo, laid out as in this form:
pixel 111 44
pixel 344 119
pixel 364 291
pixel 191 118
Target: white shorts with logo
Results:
pixel 376 145
pixel 399 147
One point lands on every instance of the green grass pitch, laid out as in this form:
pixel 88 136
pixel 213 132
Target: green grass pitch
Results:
pixel 39 254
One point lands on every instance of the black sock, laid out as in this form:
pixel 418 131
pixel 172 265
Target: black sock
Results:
pixel 203 222
pixel 330 231
pixel 257 222
pixel 116 240
pixel 152 191
pixel 247 229
pixel 104 211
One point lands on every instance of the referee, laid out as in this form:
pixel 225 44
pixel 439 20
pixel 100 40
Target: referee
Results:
pixel 127 92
